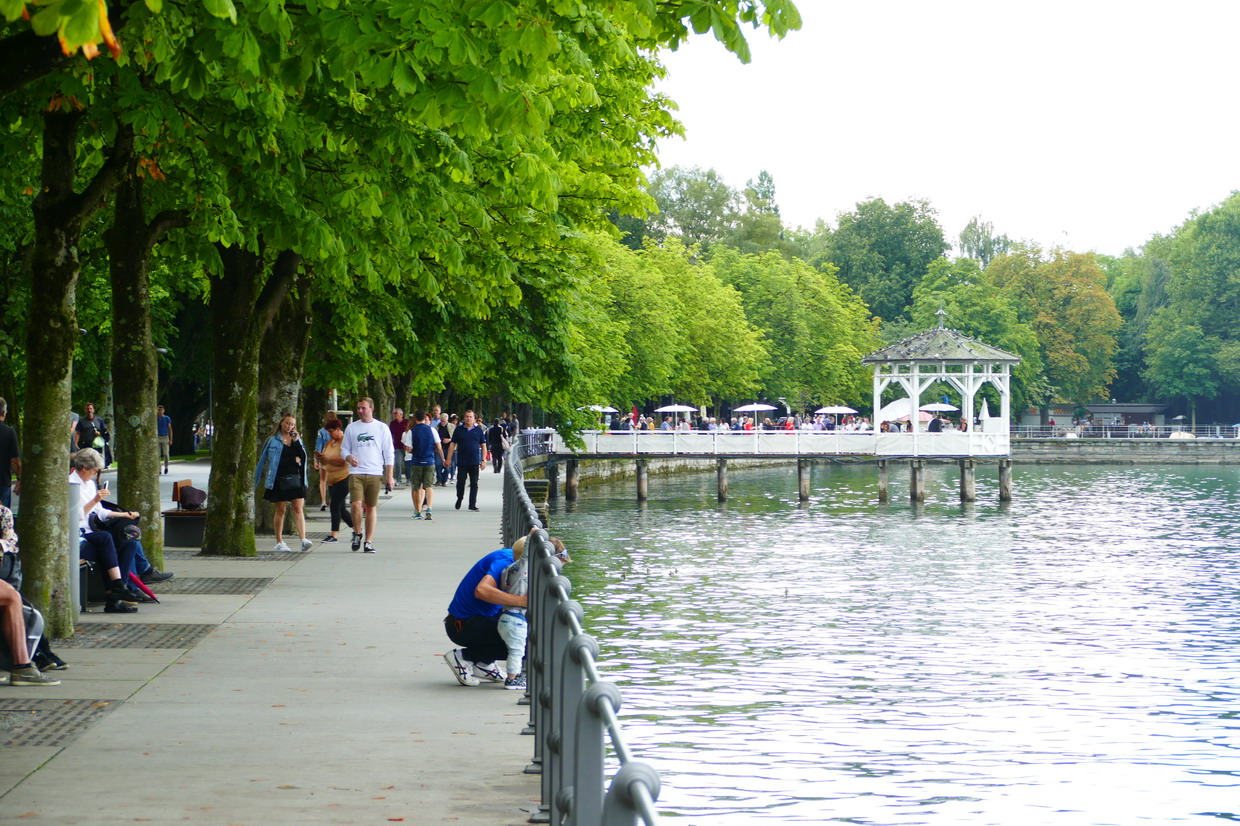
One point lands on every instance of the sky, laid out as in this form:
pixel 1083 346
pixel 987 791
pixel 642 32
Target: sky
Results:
pixel 1087 125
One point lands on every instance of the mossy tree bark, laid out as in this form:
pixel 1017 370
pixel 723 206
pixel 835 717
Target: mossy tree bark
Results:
pixel 242 308
pixel 314 404
pixel 130 242
pixel 59 212
pixel 282 361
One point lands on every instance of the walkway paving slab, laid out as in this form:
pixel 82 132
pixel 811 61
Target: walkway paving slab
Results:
pixel 321 698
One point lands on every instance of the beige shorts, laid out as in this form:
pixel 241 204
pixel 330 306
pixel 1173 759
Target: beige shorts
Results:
pixel 365 488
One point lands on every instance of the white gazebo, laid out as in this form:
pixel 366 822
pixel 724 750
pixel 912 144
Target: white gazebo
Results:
pixel 945 355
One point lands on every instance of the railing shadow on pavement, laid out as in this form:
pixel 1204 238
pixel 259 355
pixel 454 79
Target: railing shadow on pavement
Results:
pixel 571 706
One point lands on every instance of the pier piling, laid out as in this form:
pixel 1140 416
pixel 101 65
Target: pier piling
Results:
pixel 917 480
pixel 570 480
pixel 803 479
pixel 722 475
pixel 1005 480
pixel 968 480
pixel 883 480
pixel 643 485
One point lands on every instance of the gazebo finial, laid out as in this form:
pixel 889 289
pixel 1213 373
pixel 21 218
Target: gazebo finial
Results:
pixel 942 314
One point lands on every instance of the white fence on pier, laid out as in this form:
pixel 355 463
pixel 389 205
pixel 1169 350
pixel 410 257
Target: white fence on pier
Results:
pixel 788 443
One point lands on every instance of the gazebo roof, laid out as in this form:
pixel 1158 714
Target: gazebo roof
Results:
pixel 939 344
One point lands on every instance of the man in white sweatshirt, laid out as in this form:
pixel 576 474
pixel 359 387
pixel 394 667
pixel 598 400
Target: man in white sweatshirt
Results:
pixel 368 449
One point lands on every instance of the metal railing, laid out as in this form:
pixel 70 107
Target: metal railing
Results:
pixel 571 706
pixel 1125 431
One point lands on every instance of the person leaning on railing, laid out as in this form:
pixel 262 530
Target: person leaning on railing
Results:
pixel 473 619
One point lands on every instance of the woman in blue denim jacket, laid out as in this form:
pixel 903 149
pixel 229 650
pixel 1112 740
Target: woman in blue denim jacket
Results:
pixel 284 459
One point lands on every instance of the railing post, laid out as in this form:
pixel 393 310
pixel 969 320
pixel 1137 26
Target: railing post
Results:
pixel 566 685
pixel 587 778
pixel 578 649
pixel 625 797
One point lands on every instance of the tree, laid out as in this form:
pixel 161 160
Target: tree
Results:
pixel 978 240
pixel 976 307
pixel 694 205
pixel 883 251
pixel 815 330
pixel 1065 302
pixel 1182 361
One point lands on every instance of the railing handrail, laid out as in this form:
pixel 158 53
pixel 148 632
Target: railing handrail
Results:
pixel 571 706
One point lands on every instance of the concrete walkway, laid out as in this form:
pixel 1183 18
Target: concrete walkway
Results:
pixel 318 697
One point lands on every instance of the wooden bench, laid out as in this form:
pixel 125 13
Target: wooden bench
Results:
pixel 183 528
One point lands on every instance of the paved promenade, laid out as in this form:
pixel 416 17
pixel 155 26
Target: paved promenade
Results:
pixel 295 688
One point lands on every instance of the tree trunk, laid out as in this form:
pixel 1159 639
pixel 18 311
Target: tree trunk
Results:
pixel 314 404
pixel 134 370
pixel 282 360
pixel 242 308
pixel 185 387
pixel 51 332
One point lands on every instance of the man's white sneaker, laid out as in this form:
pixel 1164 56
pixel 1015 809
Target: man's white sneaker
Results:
pixel 281 547
pixel 460 667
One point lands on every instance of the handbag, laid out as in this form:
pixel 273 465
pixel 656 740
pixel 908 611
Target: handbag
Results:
pixel 289 481
pixel 11 570
pixel 191 498
pixel 122 528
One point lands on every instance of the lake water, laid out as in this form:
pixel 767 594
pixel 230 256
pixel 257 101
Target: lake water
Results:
pixel 1068 658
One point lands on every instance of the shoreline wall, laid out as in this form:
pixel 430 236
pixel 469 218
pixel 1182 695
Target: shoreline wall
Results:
pixel 1126 451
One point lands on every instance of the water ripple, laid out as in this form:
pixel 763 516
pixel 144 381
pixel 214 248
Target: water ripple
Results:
pixel 1069 658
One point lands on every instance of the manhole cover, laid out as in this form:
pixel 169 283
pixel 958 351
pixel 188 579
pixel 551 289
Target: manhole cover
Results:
pixel 134 635
pixel 48 722
pixel 211 585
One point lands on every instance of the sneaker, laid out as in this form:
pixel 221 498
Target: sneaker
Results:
pixel 29 675
pixel 155 576
pixel 117 606
pixel 473 507
pixel 330 539
pixel 515 682
pixel 426 514
pixel 460 667
pixel 489 671
pixel 417 515
pixel 356 544
pixel 307 544
pixel 458 502
pixel 50 662
pixel 368 548
pixel 281 547
pixel 323 506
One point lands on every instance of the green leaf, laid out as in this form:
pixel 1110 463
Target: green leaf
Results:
pixel 156 6
pixel 46 22
pixel 221 8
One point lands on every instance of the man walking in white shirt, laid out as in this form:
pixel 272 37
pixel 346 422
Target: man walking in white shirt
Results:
pixel 367 447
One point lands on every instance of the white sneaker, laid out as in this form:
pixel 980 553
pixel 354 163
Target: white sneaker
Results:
pixel 489 671
pixel 281 547
pixel 460 667
pixel 306 544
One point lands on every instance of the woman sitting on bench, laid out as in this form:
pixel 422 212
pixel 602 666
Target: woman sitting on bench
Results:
pixel 99 546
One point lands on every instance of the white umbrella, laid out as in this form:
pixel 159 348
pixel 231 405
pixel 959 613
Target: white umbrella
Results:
pixel 598 408
pixel 938 408
pixel 675 408
pixel 834 409
pixel 754 408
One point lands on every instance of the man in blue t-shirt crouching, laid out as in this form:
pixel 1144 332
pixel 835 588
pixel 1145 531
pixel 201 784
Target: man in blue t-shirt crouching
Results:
pixel 473 620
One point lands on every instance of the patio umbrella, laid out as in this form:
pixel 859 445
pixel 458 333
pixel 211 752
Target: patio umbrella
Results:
pixel 754 408
pixel 922 416
pixel 835 409
pixel 939 408
pixel 598 408
pixel 675 408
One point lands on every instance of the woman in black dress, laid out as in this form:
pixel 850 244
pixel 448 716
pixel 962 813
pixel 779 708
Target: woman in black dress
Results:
pixel 284 459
